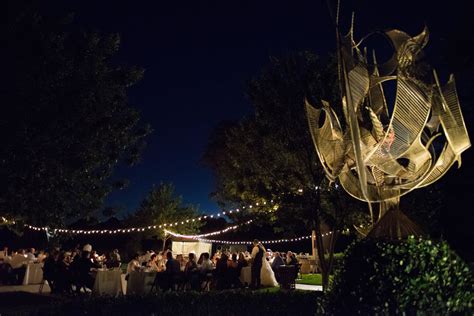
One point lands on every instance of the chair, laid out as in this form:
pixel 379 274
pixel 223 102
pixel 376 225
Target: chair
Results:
pixel 287 277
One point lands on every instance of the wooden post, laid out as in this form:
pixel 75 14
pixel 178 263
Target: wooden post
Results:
pixel 313 243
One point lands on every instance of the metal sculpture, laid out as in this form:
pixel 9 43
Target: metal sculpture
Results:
pixel 381 152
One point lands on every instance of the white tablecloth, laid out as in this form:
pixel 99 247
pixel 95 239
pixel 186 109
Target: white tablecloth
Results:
pixel 246 275
pixel 33 274
pixel 140 282
pixel 108 282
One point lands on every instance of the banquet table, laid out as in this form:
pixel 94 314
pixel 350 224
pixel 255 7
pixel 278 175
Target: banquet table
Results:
pixel 108 282
pixel 246 275
pixel 33 274
pixel 140 282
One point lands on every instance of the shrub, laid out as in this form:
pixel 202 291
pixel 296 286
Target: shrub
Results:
pixel 414 276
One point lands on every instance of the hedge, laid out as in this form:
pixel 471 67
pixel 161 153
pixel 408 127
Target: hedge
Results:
pixel 413 277
pixel 243 302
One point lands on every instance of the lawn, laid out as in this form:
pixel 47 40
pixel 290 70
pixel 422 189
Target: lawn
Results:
pixel 310 279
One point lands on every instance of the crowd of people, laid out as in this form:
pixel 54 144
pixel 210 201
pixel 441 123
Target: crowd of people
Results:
pixel 75 269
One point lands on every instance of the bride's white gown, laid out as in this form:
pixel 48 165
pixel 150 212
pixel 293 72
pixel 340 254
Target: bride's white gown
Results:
pixel 267 276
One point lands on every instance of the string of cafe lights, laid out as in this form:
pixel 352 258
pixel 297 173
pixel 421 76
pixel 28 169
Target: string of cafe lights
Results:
pixel 229 242
pixel 148 227
pixel 200 236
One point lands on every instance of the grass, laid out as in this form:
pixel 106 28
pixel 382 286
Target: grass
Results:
pixel 310 279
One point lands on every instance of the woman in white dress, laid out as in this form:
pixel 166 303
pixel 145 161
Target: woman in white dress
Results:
pixel 267 276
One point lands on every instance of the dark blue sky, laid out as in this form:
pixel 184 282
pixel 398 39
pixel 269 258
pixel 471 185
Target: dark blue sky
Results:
pixel 198 55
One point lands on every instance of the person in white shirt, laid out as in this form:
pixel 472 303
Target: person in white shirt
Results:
pixel 30 255
pixel 134 264
pixel 206 264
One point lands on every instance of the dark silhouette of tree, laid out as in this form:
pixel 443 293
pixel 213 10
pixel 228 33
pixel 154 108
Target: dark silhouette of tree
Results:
pixel 65 120
pixel 162 206
pixel 270 155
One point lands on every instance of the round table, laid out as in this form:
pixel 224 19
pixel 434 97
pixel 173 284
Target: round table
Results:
pixel 33 274
pixel 108 282
pixel 140 282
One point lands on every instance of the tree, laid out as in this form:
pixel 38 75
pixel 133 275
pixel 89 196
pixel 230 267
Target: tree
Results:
pixel 162 206
pixel 270 155
pixel 65 122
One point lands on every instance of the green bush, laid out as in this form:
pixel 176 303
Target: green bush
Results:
pixel 242 302
pixel 414 276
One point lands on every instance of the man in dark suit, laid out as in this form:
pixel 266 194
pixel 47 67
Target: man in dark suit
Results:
pixel 257 256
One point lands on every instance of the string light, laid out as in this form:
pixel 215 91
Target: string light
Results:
pixel 147 227
pixel 246 242
pixel 200 236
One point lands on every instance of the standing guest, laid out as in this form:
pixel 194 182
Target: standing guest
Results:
pixel 222 272
pixel 82 269
pixel 234 272
pixel 206 264
pixel 201 258
pixel 50 269
pixel 257 256
pixel 172 271
pixel 64 277
pixel 242 261
pixel 182 263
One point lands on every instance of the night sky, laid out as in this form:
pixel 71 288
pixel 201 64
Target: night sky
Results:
pixel 198 55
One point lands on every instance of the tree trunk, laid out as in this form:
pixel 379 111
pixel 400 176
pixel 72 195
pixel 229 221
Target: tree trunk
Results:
pixel 164 243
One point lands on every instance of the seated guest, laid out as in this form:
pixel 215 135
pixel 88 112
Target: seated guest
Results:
pixel 152 264
pixel 134 264
pixel 42 256
pixel 191 272
pixel 114 261
pixel 18 263
pixel 277 261
pixel 291 259
pixel 4 254
pixel 276 264
pixel 30 255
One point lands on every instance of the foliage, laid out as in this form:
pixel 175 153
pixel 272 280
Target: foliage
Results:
pixel 65 121
pixel 162 206
pixel 270 155
pixel 412 276
pixel 193 303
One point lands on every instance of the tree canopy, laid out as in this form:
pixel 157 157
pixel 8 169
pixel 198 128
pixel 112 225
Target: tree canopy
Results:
pixel 163 206
pixel 65 120
pixel 270 154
